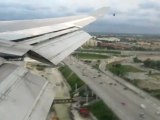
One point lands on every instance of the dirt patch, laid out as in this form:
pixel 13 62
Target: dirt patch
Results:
pixel 149 84
pixel 152 57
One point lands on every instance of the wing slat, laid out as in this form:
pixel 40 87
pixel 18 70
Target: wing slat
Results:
pixel 48 36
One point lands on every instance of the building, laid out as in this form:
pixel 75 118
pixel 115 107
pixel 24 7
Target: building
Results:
pixel 142 43
pixel 119 46
pixel 109 39
pixel 91 42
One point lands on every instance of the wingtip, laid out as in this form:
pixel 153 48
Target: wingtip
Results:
pixel 100 12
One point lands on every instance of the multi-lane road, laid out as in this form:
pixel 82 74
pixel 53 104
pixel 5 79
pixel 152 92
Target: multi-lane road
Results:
pixel 124 102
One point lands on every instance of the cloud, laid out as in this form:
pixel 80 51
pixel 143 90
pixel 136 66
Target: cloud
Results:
pixel 24 11
pixel 150 5
pixel 84 10
pixel 106 27
pixel 131 15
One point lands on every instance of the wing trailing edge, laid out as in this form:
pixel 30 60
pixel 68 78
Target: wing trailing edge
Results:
pixel 59 48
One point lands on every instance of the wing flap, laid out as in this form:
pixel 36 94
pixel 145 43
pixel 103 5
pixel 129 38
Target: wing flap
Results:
pixel 23 94
pixel 12 48
pixel 56 50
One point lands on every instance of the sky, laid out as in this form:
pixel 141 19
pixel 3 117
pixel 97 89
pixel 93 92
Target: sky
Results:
pixel 132 16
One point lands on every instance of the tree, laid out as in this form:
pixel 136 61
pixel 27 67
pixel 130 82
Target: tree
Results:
pixel 150 72
pixel 136 60
pixel 118 69
pixel 147 63
pixel 152 64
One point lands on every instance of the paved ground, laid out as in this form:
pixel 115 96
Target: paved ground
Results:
pixel 125 103
pixel 62 92
pixel 152 57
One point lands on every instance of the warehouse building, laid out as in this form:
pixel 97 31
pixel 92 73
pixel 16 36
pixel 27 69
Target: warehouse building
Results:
pixel 109 39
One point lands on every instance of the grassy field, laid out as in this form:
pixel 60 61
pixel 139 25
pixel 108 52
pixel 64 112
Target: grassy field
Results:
pixel 71 77
pixel 121 70
pixel 101 51
pixel 156 76
pixel 90 56
pixel 101 111
pixel 130 68
pixel 127 68
pixel 154 93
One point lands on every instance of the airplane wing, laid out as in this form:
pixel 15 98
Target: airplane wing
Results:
pixel 13 48
pixel 23 95
pixel 57 37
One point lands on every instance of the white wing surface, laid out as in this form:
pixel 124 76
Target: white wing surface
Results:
pixel 47 40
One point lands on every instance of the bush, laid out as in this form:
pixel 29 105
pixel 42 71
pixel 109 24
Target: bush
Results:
pixel 118 69
pixel 71 77
pixel 136 60
pixel 152 64
pixel 101 111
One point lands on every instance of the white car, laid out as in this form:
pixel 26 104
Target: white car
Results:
pixel 142 106
pixel 158 112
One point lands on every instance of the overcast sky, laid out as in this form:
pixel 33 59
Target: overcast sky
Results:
pixel 132 16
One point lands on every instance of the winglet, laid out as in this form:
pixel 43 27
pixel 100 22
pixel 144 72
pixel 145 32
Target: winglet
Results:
pixel 100 12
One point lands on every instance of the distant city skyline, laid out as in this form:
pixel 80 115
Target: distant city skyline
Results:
pixel 132 16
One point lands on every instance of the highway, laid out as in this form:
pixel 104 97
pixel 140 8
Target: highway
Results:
pixel 125 103
pixel 128 52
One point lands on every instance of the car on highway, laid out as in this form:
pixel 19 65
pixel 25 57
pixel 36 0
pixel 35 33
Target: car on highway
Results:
pixel 125 88
pixel 99 75
pixel 110 83
pixel 141 115
pixel 158 113
pixel 123 103
pixel 100 82
pixel 142 106
pixel 115 84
